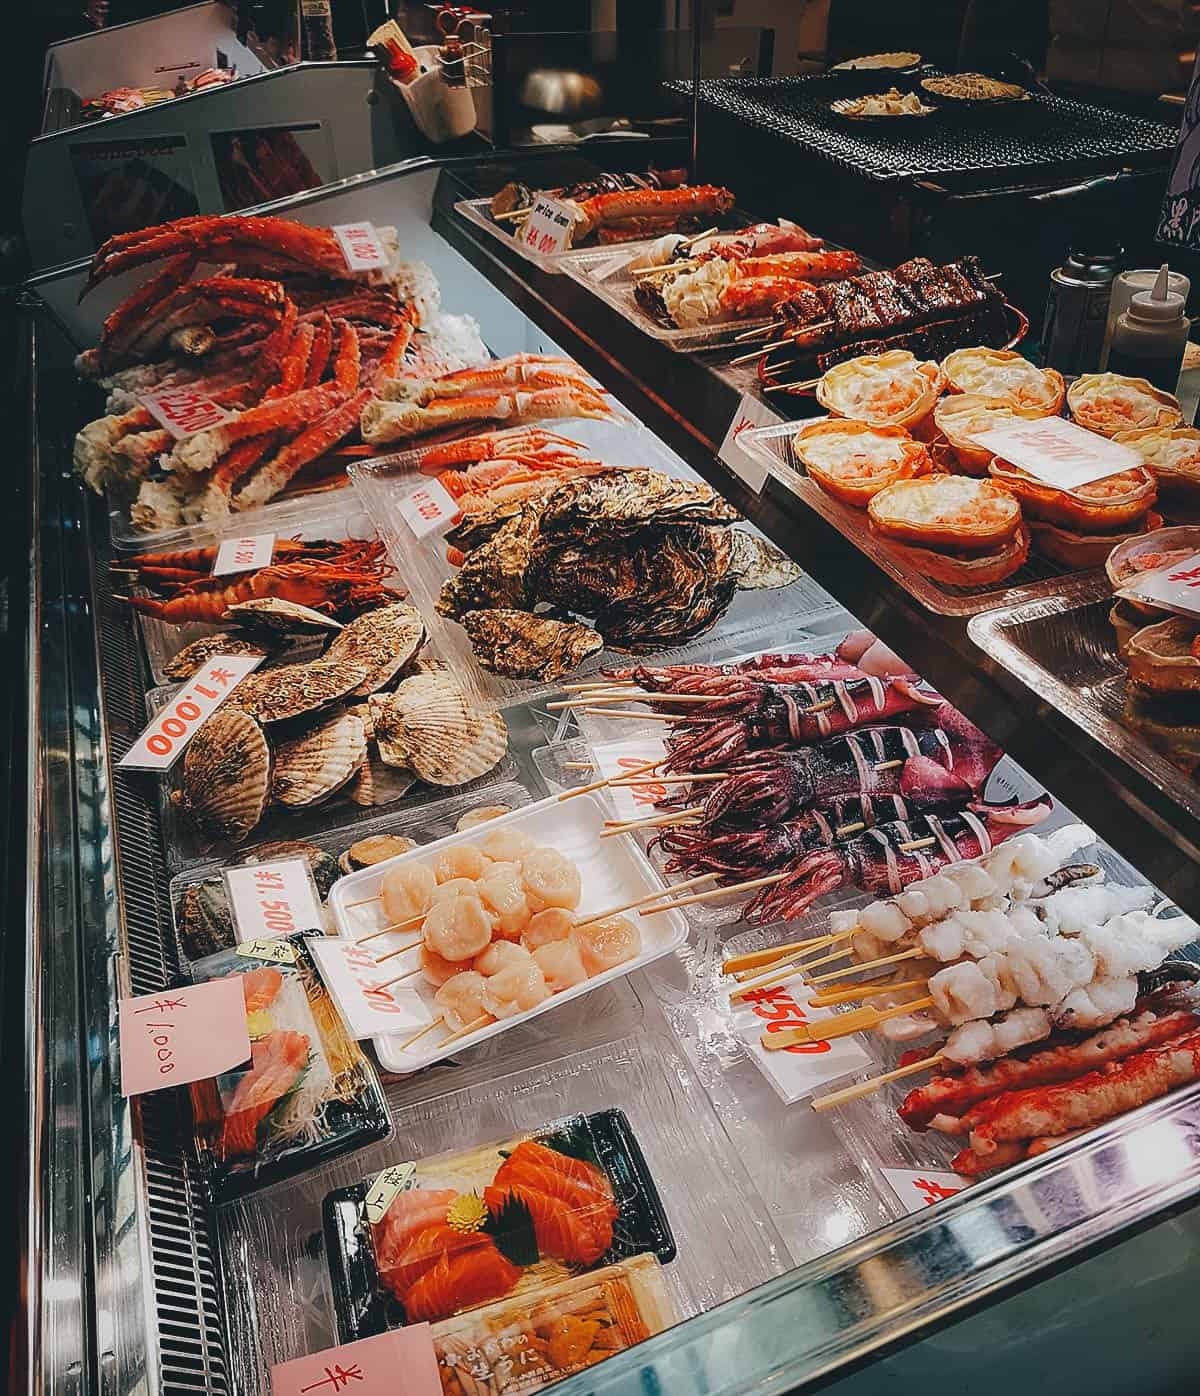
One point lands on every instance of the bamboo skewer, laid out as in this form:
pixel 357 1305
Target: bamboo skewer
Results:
pixel 692 777
pixel 914 844
pixel 636 697
pixel 719 892
pixel 869 1087
pixel 655 821
pixel 697 237
pixel 406 925
pixel 828 960
pixel 404 949
pixel 792 387
pixel 649 897
pixel 640 717
pixel 797 955
pixel 579 765
pixel 753 959
pixel 844 829
pixel 830 998
pixel 607 780
pixel 416 1037
pixel 481 1022
pixel 765 981
pixel 387 983
pixel 857 1020
pixel 914 954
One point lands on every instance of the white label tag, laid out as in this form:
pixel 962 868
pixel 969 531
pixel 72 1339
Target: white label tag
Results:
pixel 243 554
pixel 750 413
pixel 275 952
pixel 548 227
pixel 1175 588
pixel 165 736
pixel 183 410
pixel 385 1187
pixel 360 246
pixel 273 899
pixel 1058 452
pixel 429 508
pixel 353 976
pixel 922 1187
pixel 795 1072
pixel 623 759
pixel 603 270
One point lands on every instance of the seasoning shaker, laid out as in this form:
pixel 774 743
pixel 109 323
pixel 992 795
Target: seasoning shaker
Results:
pixel 1077 309
pixel 1149 338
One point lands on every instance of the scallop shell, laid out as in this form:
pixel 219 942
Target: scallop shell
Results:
pixel 375 848
pixel 449 740
pixel 309 768
pixel 377 784
pixel 387 729
pixel 294 689
pixel 191 658
pixel 380 643
pixel 273 613
pixel 226 776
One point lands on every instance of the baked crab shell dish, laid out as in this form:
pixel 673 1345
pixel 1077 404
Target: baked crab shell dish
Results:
pixel 894 388
pixel 1005 376
pixel 962 417
pixel 1111 402
pixel 853 461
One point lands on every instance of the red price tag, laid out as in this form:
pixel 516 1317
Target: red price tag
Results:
pixel 428 508
pixel 922 1187
pixel 165 736
pixel 354 977
pixel 548 227
pixel 182 1035
pixel 243 554
pixel 183 410
pixel 269 900
pixel 402 1361
pixel 361 246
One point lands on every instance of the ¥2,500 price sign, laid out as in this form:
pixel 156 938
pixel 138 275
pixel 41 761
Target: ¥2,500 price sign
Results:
pixel 183 410
pixel 164 738
pixel 361 246
pixel 269 900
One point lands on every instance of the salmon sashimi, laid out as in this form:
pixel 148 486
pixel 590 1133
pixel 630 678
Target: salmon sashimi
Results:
pixel 461 1281
pixel 576 1236
pixel 423 1250
pixel 259 987
pixel 585 1177
pixel 409 1215
pixel 561 1188
pixel 277 1062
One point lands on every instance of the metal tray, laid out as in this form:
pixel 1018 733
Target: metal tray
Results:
pixel 1064 649
pixel 772 447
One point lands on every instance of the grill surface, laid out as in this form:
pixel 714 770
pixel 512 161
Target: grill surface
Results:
pixel 1044 137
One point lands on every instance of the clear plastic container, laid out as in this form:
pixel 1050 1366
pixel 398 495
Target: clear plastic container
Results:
pixel 479 212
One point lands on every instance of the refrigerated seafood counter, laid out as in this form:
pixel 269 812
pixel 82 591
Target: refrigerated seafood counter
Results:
pixel 495 794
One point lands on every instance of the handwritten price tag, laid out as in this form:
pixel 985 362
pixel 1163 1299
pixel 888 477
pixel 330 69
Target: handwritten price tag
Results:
pixel 163 740
pixel 243 554
pixel 269 900
pixel 750 413
pixel 429 508
pixel 183 410
pixel 399 1363
pixel 384 1189
pixel 1059 453
pixel 1175 588
pixel 616 759
pixel 548 228
pixel 353 975
pixel 922 1187
pixel 361 246
pixel 182 1035
pixel 805 1067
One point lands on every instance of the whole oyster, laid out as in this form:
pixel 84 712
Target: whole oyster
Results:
pixel 226 775
pixel 494 574
pixel 642 630
pixel 295 689
pixel 310 767
pixel 760 565
pixel 379 643
pixel 203 919
pixel 273 614
pixel 622 501
pixel 523 646
pixel 449 739
pixel 191 658
pixel 321 864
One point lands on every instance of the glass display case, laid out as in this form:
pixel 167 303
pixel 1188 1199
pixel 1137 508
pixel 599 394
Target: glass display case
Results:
pixel 791 1248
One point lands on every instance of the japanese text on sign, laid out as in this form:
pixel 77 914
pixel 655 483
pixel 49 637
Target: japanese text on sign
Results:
pixel 779 1010
pixel 182 1035
pixel 165 736
pixel 355 978
pixel 749 413
pixel 183 410
pixel 360 246
pixel 276 952
pixel 1058 452
pixel 242 554
pixel 921 1187
pixel 269 900
pixel 428 508
pixel 384 1188
pixel 805 1067
pixel 400 1361
pixel 548 227
pixel 1175 588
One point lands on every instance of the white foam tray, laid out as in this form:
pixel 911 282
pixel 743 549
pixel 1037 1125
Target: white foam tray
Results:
pixel 612 871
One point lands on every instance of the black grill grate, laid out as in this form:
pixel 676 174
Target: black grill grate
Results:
pixel 1044 137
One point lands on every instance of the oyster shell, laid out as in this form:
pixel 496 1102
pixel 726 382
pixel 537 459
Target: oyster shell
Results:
pixel 226 775
pixel 480 815
pixel 494 574
pixel 294 689
pixel 379 784
pixel 760 565
pixel 191 658
pixel 203 919
pixel 374 849
pixel 523 646
pixel 380 643
pixel 310 767
pixel 633 627
pixel 449 739
pixel 614 502
pixel 322 865
pixel 273 614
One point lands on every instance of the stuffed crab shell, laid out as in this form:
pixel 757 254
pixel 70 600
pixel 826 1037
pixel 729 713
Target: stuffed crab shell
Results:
pixel 1005 376
pixel 853 460
pixel 1172 454
pixel 961 417
pixel 1110 402
pixel 890 389
pixel 1114 503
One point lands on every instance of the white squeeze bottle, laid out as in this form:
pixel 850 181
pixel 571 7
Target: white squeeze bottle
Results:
pixel 1149 338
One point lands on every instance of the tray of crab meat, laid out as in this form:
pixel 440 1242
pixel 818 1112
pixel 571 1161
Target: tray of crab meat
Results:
pixel 480 931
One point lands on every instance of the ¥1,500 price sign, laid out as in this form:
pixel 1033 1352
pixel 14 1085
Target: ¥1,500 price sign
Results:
pixel 269 900
pixel 244 554
pixel 165 736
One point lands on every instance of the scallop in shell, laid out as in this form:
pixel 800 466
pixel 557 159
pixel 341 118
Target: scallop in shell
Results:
pixel 378 784
pixel 310 767
pixel 191 658
pixel 294 689
pixel 387 729
pixel 226 777
pixel 322 865
pixel 380 643
pixel 449 739
pixel 273 613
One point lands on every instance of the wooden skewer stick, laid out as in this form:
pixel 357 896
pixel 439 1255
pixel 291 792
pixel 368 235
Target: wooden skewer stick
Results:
pixel 406 925
pixel 798 955
pixel 692 777
pixel 640 717
pixel 584 684
pixel 404 949
pixel 416 1037
pixel 757 354
pixel 696 237
pixel 766 981
pixel 579 765
pixel 364 901
pixel 719 892
pixel 828 997
pixel 819 707
pixel 387 983
pixel 914 954
pixel 685 816
pixel 632 696
pixel 869 1087
pixel 914 844
pixel 828 960
pixel 888 765
pixel 607 780
pixel 511 216
pixel 755 959
pixel 761 332
pixel 481 1022
pixel 843 829
pixel 857 1020
pixel 649 897
pixel 803 387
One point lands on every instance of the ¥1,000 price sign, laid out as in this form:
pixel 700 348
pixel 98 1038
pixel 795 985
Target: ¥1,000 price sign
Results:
pixel 183 1035
pixel 399 1363
pixel 271 900
pixel 165 736
pixel 429 508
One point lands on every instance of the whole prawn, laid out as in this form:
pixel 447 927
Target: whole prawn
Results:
pixel 333 591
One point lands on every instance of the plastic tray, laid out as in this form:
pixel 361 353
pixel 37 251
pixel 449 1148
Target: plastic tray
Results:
pixel 1064 649
pixel 478 211
pixel 772 447
pixel 612 872
pixel 422 565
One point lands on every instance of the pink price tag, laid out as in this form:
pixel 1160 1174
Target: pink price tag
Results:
pixel 399 1363
pixel 361 246
pixel 429 509
pixel 922 1187
pixel 243 554
pixel 273 899
pixel 548 228
pixel 183 410
pixel 1058 452
pixel 182 1035
pixel 165 736
pixel 1175 588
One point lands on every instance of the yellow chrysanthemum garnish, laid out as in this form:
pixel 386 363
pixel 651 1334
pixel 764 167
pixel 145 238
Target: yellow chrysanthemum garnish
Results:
pixel 467 1212
pixel 258 1024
